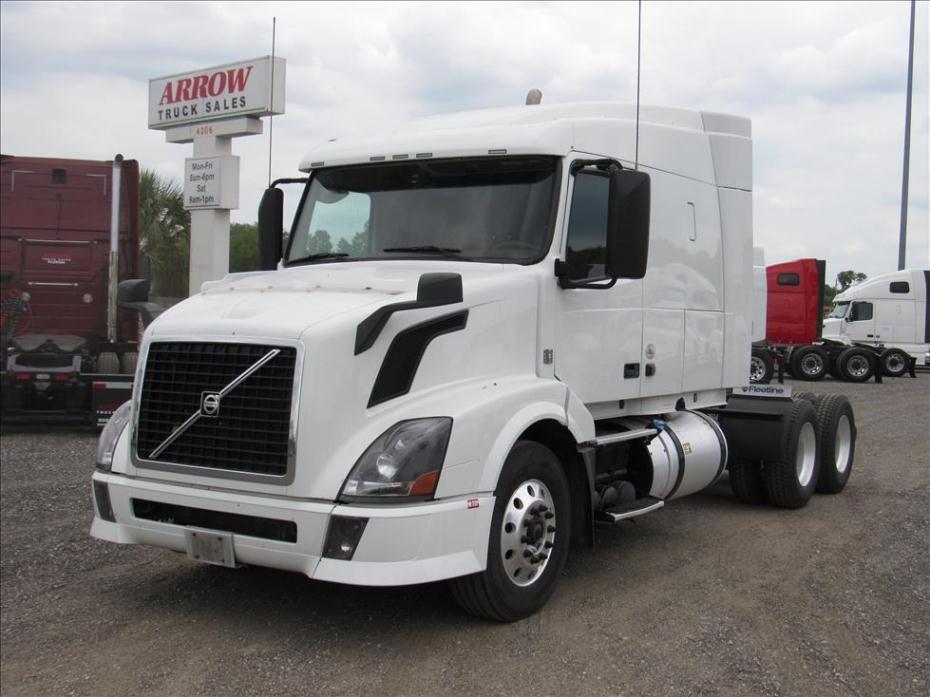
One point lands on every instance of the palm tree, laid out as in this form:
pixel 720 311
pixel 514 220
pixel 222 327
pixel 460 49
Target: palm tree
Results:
pixel 166 234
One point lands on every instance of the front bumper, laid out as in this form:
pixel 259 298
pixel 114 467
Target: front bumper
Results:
pixel 401 544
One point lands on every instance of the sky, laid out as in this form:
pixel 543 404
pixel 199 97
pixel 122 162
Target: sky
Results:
pixel 824 85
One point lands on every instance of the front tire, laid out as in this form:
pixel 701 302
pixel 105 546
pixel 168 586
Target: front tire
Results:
pixel 529 538
pixel 761 367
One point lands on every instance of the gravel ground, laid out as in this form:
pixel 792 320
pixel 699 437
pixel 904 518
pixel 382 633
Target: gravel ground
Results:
pixel 706 597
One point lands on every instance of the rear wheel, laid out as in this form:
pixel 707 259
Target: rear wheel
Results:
pixel 529 538
pixel 790 480
pixel 855 364
pixel 837 442
pixel 747 482
pixel 894 362
pixel 809 363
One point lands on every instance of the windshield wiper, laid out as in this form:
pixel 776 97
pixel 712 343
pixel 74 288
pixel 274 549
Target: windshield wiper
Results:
pixel 316 257
pixel 427 249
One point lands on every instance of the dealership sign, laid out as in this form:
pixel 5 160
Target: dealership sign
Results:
pixel 246 88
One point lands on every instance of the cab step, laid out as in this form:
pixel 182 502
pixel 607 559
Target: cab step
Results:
pixel 639 507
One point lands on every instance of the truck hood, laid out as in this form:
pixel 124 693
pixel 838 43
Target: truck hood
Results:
pixel 285 303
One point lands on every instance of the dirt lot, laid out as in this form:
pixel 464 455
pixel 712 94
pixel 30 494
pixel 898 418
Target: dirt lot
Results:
pixel 707 597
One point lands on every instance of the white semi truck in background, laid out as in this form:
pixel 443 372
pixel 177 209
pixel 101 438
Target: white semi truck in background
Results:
pixel 488 332
pixel 889 311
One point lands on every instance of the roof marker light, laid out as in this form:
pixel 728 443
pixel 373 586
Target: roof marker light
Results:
pixel 502 151
pixel 421 155
pixel 377 158
pixel 317 164
pixel 400 157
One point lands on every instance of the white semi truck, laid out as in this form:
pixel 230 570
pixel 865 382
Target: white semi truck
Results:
pixel 888 311
pixel 488 332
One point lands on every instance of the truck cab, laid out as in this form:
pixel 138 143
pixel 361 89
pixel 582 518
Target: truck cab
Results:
pixel 887 310
pixel 486 331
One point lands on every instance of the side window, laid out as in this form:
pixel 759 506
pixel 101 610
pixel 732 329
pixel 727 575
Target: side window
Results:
pixel 340 226
pixel 861 312
pixel 586 248
pixel 788 279
pixel 900 287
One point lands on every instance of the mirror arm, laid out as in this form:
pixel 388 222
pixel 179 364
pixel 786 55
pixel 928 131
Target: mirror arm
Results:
pixel 561 272
pixel 605 164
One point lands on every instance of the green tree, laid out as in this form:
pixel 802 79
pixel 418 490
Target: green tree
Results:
pixel 829 292
pixel 166 234
pixel 320 243
pixel 846 278
pixel 243 247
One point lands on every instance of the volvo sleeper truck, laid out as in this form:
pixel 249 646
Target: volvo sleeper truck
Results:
pixel 488 333
pixel 872 331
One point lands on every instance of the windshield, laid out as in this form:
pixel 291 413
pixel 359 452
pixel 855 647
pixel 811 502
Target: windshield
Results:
pixel 477 209
pixel 839 312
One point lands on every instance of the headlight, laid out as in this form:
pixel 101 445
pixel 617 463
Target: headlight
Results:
pixel 111 432
pixel 403 461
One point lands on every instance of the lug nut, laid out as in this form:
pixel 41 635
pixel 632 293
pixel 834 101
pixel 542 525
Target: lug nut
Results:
pixel 548 545
pixel 527 553
pixel 550 528
pixel 549 515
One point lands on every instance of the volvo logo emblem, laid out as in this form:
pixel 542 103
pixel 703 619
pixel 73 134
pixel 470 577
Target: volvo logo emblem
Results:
pixel 210 403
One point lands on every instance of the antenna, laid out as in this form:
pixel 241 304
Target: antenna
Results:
pixel 902 235
pixel 271 117
pixel 639 34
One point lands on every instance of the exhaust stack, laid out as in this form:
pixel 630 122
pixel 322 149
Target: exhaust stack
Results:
pixel 115 191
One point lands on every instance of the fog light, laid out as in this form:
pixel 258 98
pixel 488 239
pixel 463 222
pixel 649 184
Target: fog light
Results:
pixel 88 298
pixel 343 536
pixel 102 497
pixel 25 296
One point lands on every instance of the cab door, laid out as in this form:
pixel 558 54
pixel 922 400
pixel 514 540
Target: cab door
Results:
pixel 599 333
pixel 860 322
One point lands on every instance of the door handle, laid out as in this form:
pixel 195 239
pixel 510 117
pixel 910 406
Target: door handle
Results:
pixel 650 369
pixel 693 235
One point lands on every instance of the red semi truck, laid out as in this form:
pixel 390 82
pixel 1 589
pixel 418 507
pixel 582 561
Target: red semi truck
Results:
pixel 794 341
pixel 66 349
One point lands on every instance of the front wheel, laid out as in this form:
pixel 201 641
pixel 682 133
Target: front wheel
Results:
pixel 529 538
pixel 761 367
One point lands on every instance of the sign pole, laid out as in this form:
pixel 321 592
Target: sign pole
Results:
pixel 209 254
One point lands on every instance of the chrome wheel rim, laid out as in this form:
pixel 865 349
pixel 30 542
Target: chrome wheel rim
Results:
pixel 812 365
pixel 756 369
pixel 806 454
pixel 857 366
pixel 842 444
pixel 527 532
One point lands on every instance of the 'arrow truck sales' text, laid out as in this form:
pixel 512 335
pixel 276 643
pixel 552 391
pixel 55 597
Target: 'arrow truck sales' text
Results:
pixel 210 93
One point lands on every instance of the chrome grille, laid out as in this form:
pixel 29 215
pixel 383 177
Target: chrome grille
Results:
pixel 249 433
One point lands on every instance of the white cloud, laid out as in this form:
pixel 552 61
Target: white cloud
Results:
pixel 823 82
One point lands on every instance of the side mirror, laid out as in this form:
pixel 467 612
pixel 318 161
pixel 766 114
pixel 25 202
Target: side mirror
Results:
pixel 134 290
pixel 628 224
pixel 270 225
